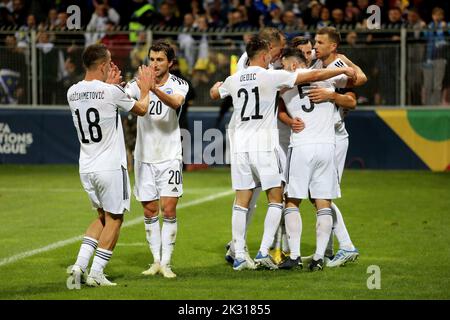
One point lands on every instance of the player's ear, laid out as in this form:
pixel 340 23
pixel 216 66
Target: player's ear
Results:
pixel 170 64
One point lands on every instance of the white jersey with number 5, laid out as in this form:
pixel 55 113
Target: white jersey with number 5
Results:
pixel 254 93
pixel 158 133
pixel 319 118
pixel 95 112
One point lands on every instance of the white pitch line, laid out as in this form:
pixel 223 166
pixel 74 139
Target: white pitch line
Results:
pixel 130 223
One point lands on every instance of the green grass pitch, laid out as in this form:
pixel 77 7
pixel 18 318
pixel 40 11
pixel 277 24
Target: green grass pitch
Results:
pixel 399 220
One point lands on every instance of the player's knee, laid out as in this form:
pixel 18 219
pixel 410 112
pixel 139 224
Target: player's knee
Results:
pixel 151 209
pixel 170 211
pixel 150 212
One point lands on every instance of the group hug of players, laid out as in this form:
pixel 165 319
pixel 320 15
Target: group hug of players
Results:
pixel 287 137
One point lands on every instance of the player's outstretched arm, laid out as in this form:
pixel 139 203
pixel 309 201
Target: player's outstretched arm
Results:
pixel 361 77
pixel 173 101
pixel 214 91
pixel 347 100
pixel 144 81
pixel 295 124
pixel 324 74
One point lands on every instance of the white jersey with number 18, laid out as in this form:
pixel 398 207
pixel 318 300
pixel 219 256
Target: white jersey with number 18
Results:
pixel 95 112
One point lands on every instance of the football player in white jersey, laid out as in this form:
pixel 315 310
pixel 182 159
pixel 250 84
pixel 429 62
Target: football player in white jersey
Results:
pixel 276 41
pixel 95 107
pixel 344 99
pixel 158 157
pixel 326 43
pixel 254 142
pixel 317 180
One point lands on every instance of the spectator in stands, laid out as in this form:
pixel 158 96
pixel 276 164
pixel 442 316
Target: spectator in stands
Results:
pixel 324 18
pixel 47 68
pixel 74 74
pixel 337 16
pixel 52 18
pixel 351 38
pixel 296 6
pixel 415 58
pixel 13 73
pixel 167 16
pixel 236 20
pixel 138 55
pixel 415 22
pixel 140 14
pixel 274 19
pixel 23 36
pixel 103 13
pixel 186 41
pixel 351 13
pixel 435 64
pixel 61 20
pixel 361 10
pixel 119 45
pixel 312 15
pixel 19 12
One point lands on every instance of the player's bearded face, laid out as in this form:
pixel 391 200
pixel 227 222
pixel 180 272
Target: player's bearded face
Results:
pixel 324 47
pixel 159 61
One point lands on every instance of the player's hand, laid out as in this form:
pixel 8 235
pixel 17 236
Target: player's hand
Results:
pixel 297 125
pixel 214 91
pixel 350 72
pixel 144 78
pixel 114 75
pixel 318 95
pixel 152 78
pixel 217 85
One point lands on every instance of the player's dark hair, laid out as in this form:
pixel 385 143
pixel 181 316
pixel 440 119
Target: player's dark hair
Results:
pixel 299 40
pixel 271 35
pixel 164 46
pixel 332 33
pixel 289 52
pixel 255 46
pixel 94 54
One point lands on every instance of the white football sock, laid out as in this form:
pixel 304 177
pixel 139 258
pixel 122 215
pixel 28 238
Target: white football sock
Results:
pixel 340 230
pixel 153 235
pixel 329 251
pixel 168 237
pixel 101 259
pixel 238 220
pixel 87 248
pixel 277 240
pixel 252 208
pixel 293 222
pixel 284 238
pixel 271 224
pixel 323 230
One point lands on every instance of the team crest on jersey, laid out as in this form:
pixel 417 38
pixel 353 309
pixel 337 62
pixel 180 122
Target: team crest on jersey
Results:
pixel 169 91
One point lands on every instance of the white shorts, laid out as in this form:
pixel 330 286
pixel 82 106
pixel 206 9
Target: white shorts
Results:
pixel 155 180
pixel 253 169
pixel 109 190
pixel 311 170
pixel 341 154
pixel 282 155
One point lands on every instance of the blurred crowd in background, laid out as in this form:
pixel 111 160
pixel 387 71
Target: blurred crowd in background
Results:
pixel 210 35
